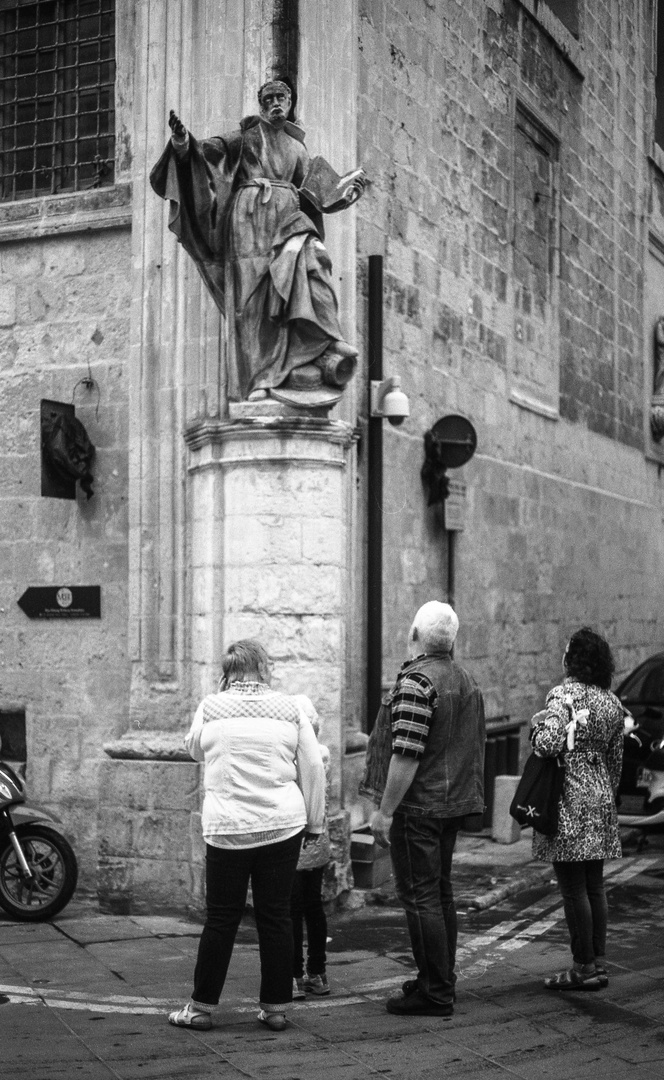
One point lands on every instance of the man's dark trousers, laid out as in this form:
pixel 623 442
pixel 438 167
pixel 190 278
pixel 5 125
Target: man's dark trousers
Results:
pixel 421 849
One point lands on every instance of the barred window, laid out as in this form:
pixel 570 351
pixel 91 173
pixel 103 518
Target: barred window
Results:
pixel 57 100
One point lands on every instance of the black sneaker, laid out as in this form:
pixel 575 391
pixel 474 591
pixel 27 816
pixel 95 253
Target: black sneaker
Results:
pixel 416 1004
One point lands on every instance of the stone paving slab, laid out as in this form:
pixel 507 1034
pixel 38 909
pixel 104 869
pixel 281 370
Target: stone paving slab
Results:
pixel 89 1070
pixel 412 1050
pixel 578 1062
pixel 26 933
pixel 513 1035
pixel 634 1051
pixel 60 962
pixel 194 1069
pixel 165 926
pixel 282 1061
pixel 505 1025
pixel 124 957
pixel 108 928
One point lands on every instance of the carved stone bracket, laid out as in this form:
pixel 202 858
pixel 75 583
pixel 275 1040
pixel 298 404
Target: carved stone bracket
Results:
pixel 262 426
pixel 657 402
pixel 657 417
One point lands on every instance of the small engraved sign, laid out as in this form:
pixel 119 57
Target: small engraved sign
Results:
pixel 455 506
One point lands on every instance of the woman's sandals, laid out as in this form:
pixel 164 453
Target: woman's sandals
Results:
pixel 190 1018
pixel 275 1021
pixel 573 980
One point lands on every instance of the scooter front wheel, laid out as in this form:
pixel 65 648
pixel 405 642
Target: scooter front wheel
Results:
pixel 54 874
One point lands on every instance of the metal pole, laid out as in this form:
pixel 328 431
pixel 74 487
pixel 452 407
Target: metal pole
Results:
pixel 451 584
pixel 375 499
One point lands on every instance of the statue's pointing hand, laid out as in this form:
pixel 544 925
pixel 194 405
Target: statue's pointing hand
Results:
pixel 176 126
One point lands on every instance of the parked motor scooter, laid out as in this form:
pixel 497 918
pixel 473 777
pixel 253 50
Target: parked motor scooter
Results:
pixel 38 868
pixel 641 790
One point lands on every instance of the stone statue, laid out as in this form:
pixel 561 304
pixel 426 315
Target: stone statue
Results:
pixel 657 405
pixel 248 208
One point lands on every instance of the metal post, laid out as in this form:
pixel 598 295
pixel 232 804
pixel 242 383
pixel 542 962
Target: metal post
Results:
pixel 375 498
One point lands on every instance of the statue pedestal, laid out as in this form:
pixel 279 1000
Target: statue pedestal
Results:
pixel 269 510
pixel 267 555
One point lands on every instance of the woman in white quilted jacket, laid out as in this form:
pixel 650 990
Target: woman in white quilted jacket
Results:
pixel 264 794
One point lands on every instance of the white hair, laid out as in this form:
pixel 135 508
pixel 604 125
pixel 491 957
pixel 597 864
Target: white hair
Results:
pixel 436 625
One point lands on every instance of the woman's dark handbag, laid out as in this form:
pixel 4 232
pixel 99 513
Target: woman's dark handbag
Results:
pixel 536 800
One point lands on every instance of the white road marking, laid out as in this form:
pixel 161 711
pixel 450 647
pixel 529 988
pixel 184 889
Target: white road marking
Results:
pixel 74 995
pixel 151 1006
pixel 616 874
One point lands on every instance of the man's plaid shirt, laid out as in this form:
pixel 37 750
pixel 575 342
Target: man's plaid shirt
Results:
pixel 412 708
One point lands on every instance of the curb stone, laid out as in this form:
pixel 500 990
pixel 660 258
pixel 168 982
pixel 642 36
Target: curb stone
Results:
pixel 467 893
pixel 494 896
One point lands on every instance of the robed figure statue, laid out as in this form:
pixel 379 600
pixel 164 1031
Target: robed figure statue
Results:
pixel 248 208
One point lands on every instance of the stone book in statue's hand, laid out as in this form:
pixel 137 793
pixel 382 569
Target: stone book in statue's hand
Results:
pixel 329 192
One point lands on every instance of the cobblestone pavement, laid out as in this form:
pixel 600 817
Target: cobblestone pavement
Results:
pixel 86 996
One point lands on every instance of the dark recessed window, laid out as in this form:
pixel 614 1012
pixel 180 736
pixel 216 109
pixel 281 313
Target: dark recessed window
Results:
pixel 12 736
pixel 57 96
pixel 535 160
pixel 568 13
pixel 659 79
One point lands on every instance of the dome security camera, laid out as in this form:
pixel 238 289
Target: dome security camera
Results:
pixel 389 401
pixel 396 407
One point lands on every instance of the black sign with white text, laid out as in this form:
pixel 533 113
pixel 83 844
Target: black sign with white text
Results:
pixel 62 602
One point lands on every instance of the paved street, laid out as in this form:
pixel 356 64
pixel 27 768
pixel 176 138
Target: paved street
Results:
pixel 86 997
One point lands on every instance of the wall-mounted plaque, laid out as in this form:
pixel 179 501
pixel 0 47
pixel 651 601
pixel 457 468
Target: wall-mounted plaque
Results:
pixel 62 602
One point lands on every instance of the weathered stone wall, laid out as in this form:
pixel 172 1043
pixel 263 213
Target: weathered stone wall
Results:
pixel 509 176
pixel 151 850
pixel 64 304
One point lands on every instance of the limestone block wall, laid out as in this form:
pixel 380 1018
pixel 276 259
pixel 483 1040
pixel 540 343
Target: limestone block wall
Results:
pixel 519 306
pixel 64 304
pixel 151 852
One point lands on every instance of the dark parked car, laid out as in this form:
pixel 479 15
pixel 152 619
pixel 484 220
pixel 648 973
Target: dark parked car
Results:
pixel 641 789
pixel 642 692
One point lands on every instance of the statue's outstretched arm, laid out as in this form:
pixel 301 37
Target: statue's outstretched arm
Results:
pixel 179 135
pixel 177 127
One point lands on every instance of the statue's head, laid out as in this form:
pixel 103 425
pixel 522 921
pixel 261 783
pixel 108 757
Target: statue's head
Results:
pixel 274 100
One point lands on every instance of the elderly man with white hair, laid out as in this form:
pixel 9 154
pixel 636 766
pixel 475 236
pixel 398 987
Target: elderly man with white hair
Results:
pixel 425 769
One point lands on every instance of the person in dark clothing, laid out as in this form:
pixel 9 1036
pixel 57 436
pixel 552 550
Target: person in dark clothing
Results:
pixel 425 768
pixel 307 908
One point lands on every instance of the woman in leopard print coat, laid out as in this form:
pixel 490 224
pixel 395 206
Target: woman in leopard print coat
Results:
pixel 584 722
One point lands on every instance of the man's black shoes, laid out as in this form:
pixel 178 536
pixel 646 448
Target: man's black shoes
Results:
pixel 416 1004
pixel 410 986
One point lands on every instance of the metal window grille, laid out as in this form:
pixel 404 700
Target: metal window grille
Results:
pixel 57 96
